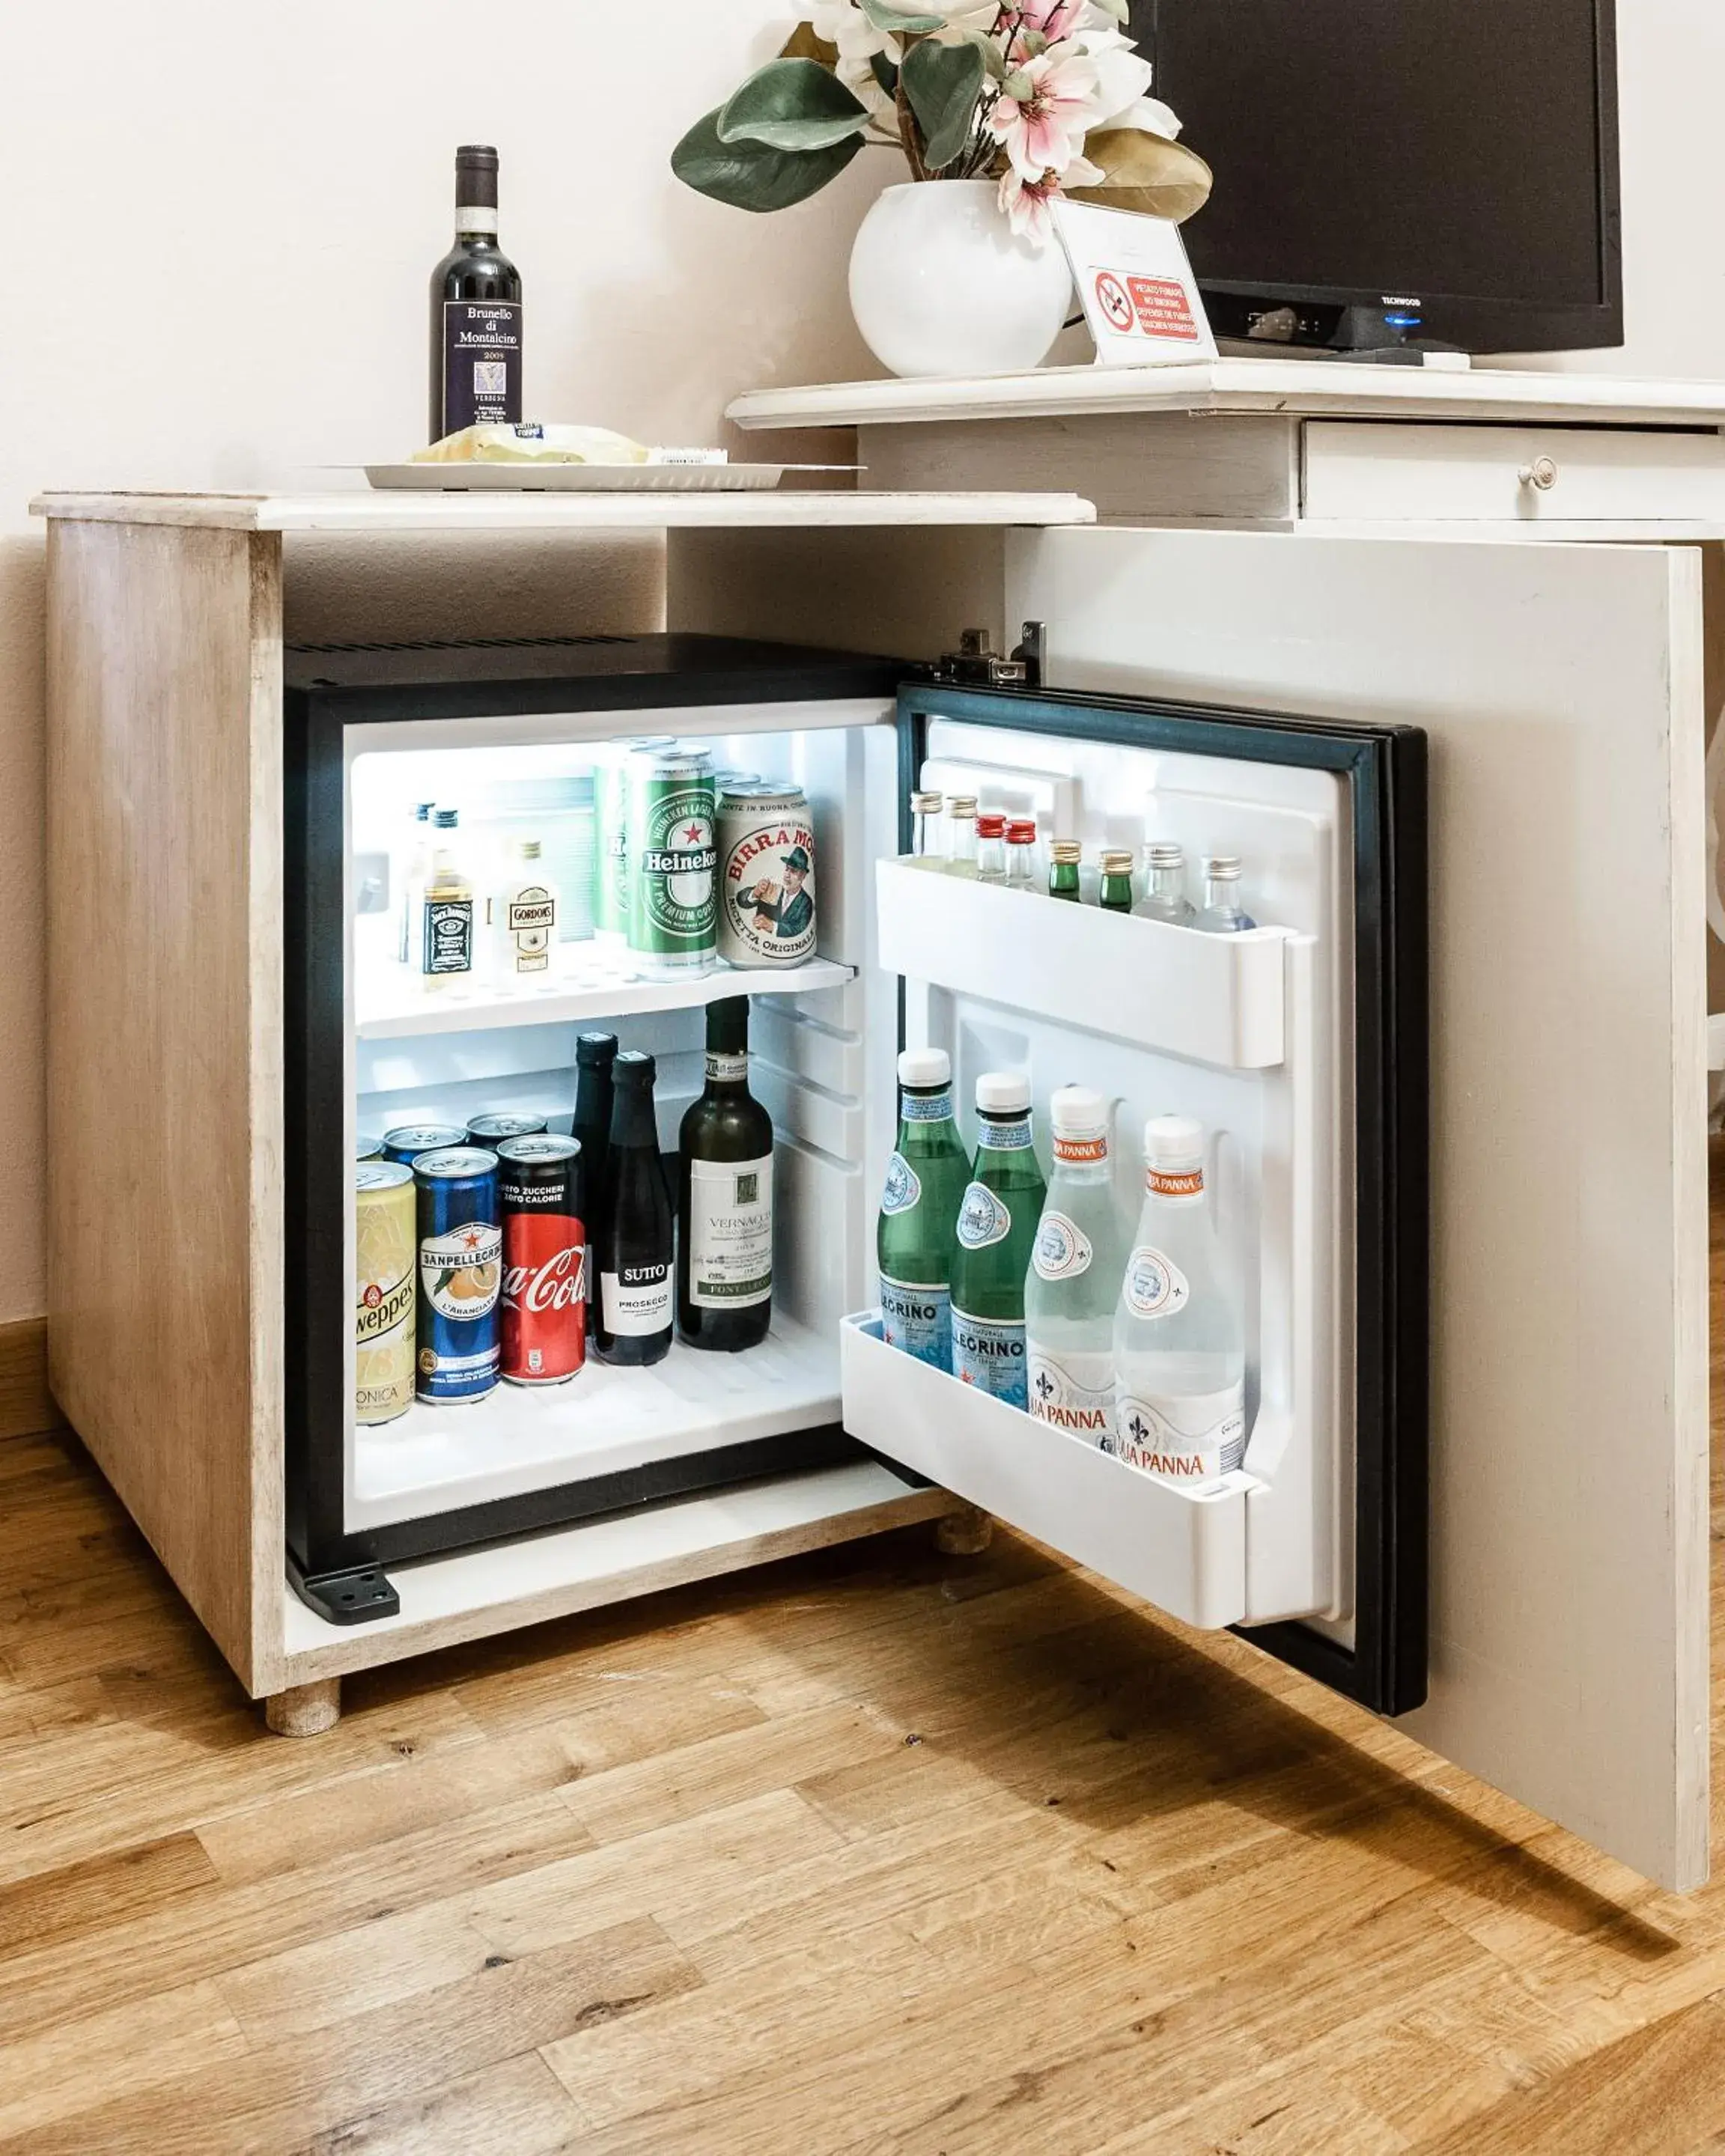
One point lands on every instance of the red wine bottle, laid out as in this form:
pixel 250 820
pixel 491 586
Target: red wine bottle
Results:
pixel 635 1227
pixel 476 309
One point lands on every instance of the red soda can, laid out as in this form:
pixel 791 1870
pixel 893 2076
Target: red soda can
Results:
pixel 544 1259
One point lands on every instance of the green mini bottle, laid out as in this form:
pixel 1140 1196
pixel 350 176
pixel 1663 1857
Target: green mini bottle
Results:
pixel 919 1211
pixel 997 1232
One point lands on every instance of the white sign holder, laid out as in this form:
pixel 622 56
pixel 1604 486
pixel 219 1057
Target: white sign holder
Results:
pixel 1135 284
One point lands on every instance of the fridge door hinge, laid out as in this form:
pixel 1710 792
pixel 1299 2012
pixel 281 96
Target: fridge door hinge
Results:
pixel 358 1596
pixel 976 664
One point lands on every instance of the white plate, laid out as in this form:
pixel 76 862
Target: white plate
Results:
pixel 579 479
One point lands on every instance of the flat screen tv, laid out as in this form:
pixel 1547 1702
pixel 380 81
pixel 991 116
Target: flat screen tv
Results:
pixel 1401 172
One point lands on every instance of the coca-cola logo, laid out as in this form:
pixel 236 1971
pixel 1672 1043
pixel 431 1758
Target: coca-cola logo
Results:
pixel 559 1284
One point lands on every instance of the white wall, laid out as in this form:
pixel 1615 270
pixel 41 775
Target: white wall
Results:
pixel 235 205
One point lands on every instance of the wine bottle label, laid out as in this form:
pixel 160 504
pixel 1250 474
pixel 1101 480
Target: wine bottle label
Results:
pixel 903 1189
pixel 1074 1391
pixel 1062 1248
pixel 1189 1439
pixel 637 1300
pixel 448 942
pixel 926 1107
pixel 918 1320
pixel 1154 1285
pixel 983 1218
pixel 727 1068
pixel 730 1232
pixel 1003 1138
pixel 990 1353
pixel 482 362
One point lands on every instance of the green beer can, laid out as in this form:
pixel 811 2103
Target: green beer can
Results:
pixel 673 860
pixel 610 897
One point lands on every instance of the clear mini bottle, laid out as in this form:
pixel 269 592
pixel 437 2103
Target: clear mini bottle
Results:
pixel 997 1231
pixel 926 827
pixel 1114 894
pixel 1165 888
pixel 1021 854
pixel 1179 1353
pixel 961 835
pixel 1222 914
pixel 1076 1266
pixel 415 867
pixel 1063 856
pixel 990 848
pixel 524 917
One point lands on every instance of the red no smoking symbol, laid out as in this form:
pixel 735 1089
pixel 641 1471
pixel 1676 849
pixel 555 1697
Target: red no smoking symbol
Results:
pixel 1111 298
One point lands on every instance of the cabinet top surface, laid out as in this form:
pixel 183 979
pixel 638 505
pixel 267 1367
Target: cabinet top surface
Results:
pixel 413 512
pixel 1338 389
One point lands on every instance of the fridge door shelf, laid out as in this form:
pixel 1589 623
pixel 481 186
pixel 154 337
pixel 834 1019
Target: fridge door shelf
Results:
pixel 1185 1551
pixel 392 1004
pixel 1213 998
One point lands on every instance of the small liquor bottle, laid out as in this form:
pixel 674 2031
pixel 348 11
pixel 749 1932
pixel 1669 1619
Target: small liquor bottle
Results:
pixel 1064 857
pixel 476 310
pixel 961 837
pixel 724 1196
pixel 1116 894
pixel 990 848
pixel 636 1229
pixel 446 910
pixel 1222 914
pixel 1021 854
pixel 524 917
pixel 926 841
pixel 416 866
pixel 1163 899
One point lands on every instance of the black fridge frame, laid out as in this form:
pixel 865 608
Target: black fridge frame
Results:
pixel 1385 769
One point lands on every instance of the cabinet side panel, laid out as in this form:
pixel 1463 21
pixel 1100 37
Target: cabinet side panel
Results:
pixel 164 1082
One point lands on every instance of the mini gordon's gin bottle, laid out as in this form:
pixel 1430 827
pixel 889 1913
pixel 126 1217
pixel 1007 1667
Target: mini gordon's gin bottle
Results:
pixel 1164 896
pixel 1180 1358
pixel 997 1229
pixel 1076 1270
pixel 919 1211
pixel 524 917
pixel 1222 915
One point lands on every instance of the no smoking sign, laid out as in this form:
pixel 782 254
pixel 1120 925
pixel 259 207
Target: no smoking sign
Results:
pixel 1134 285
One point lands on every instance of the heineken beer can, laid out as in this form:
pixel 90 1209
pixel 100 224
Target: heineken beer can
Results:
pixel 766 876
pixel 610 898
pixel 384 1227
pixel 460 1273
pixel 672 858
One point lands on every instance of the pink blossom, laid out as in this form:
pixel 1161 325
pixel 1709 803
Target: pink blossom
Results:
pixel 1055 18
pixel 1043 111
pixel 1025 203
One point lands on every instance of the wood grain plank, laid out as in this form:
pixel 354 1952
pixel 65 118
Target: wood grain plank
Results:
pixel 519 2105
pixel 102 1891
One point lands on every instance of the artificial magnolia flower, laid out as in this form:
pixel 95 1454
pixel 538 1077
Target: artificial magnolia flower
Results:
pixel 1121 77
pixel 1044 110
pixel 1150 116
pixel 1025 203
pixel 843 24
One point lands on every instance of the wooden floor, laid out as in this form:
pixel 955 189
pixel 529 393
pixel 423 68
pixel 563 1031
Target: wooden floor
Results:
pixel 881 1851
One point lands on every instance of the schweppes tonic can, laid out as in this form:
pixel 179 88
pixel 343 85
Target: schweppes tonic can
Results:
pixel 384 1247
pixel 765 876
pixel 672 859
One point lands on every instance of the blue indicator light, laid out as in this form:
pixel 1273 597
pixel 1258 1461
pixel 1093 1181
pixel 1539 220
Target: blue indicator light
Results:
pixel 1402 321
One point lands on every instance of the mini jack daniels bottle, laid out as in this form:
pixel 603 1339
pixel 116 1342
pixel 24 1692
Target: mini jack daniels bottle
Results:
pixel 445 909
pixel 724 1196
pixel 476 310
pixel 635 1227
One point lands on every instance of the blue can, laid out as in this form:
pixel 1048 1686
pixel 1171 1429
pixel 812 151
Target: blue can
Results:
pixel 407 1141
pixel 460 1275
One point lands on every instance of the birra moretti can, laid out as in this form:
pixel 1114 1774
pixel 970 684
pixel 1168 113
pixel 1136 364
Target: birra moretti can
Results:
pixel 672 858
pixel 766 876
pixel 384 1219
pixel 460 1274
pixel 544 1328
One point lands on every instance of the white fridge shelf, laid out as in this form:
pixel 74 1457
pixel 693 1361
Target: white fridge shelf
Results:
pixel 1214 998
pixel 1185 1551
pixel 391 1003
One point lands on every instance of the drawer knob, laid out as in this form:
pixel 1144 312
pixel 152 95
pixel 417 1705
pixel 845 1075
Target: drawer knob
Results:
pixel 1542 473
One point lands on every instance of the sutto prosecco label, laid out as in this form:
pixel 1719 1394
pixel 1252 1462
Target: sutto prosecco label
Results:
pixel 918 1320
pixel 1062 1249
pixel 1191 1441
pixel 902 1188
pixel 927 1107
pixel 983 1218
pixel 1154 1285
pixel 1003 1138
pixel 990 1353
pixel 1074 1392
pixel 637 1300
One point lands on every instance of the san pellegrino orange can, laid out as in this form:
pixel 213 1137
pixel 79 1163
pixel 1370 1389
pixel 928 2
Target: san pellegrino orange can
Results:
pixel 385 1248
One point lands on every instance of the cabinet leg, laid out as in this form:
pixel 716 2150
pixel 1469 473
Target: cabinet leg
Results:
pixel 305 1710
pixel 966 1532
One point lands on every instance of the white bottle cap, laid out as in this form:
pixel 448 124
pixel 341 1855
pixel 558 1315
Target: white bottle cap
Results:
pixel 1174 1141
pixel 1002 1093
pixel 925 1066
pixel 1077 1112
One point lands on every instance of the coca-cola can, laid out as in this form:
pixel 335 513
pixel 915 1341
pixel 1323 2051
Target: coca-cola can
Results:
pixel 544 1259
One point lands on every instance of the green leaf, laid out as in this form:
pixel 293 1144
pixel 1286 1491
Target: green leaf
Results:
pixel 895 19
pixel 942 83
pixel 993 59
pixel 791 105
pixel 884 73
pixel 752 176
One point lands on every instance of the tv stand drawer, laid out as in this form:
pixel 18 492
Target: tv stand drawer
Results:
pixel 1355 471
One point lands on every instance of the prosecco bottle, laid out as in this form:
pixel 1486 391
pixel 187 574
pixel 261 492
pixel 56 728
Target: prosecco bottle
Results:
pixel 724 1196
pixel 476 309
pixel 594 1054
pixel 635 1227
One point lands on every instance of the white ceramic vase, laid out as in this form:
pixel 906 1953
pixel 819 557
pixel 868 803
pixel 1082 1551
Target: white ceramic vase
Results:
pixel 939 285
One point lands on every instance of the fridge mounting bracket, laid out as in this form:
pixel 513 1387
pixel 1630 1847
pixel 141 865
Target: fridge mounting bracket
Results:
pixel 358 1595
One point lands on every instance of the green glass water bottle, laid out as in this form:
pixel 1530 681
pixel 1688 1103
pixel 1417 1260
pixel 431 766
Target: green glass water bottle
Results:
pixel 919 1211
pixel 997 1232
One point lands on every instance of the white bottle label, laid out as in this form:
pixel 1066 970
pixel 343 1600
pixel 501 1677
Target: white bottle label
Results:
pixel 1154 1285
pixel 1074 1391
pixel 527 921
pixel 730 1232
pixel 983 1218
pixel 1062 1250
pixel 461 1270
pixel 1190 1440
pixel 902 1189
pixel 637 1301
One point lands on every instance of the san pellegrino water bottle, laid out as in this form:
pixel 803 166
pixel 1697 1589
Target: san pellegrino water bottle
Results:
pixel 1164 897
pixel 997 1229
pixel 919 1211
pixel 1076 1270
pixel 1222 914
pixel 1179 1355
